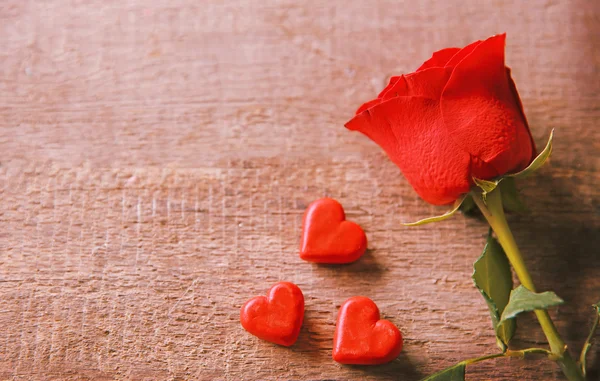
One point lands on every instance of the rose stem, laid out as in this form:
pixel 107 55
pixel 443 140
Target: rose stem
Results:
pixel 493 211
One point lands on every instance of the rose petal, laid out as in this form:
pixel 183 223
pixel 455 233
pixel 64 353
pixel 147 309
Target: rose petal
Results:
pixel 428 83
pixel 393 80
pixel 439 58
pixel 513 89
pixel 462 54
pixel 480 112
pixel 368 105
pixel 377 100
pixel 411 131
pixel 400 88
pixel 482 170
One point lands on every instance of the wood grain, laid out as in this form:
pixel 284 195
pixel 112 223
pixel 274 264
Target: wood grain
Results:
pixel 157 158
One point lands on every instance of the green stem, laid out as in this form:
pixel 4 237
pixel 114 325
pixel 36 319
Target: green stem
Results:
pixel 493 211
pixel 588 342
pixel 483 358
pixel 523 352
pixel 518 353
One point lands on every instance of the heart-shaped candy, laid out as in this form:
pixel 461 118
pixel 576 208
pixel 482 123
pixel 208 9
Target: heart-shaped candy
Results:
pixel 277 317
pixel 327 237
pixel 361 338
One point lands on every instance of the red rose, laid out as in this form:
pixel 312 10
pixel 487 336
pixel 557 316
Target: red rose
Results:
pixel 457 117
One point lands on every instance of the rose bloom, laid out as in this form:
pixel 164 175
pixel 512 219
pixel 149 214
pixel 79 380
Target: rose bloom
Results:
pixel 457 117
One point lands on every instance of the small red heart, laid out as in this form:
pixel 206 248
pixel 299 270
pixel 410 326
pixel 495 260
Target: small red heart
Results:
pixel 327 237
pixel 277 317
pixel 361 338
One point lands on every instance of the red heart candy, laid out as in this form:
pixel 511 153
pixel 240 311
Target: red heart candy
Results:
pixel 361 338
pixel 327 237
pixel 277 317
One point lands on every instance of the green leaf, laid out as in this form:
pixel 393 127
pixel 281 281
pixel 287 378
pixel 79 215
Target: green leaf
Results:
pixel 493 278
pixel 523 300
pixel 538 161
pixel 454 373
pixel 510 196
pixel 486 185
pixel 505 331
pixel 444 216
pixel 589 341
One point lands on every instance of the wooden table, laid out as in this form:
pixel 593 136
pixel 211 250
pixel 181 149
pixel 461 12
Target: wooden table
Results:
pixel 157 157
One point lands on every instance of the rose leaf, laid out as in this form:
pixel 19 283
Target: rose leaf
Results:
pixel 493 278
pixel 523 300
pixel 444 216
pixel 454 373
pixel 538 161
pixel 486 185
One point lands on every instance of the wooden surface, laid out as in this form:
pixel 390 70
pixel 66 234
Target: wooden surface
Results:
pixel 157 157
